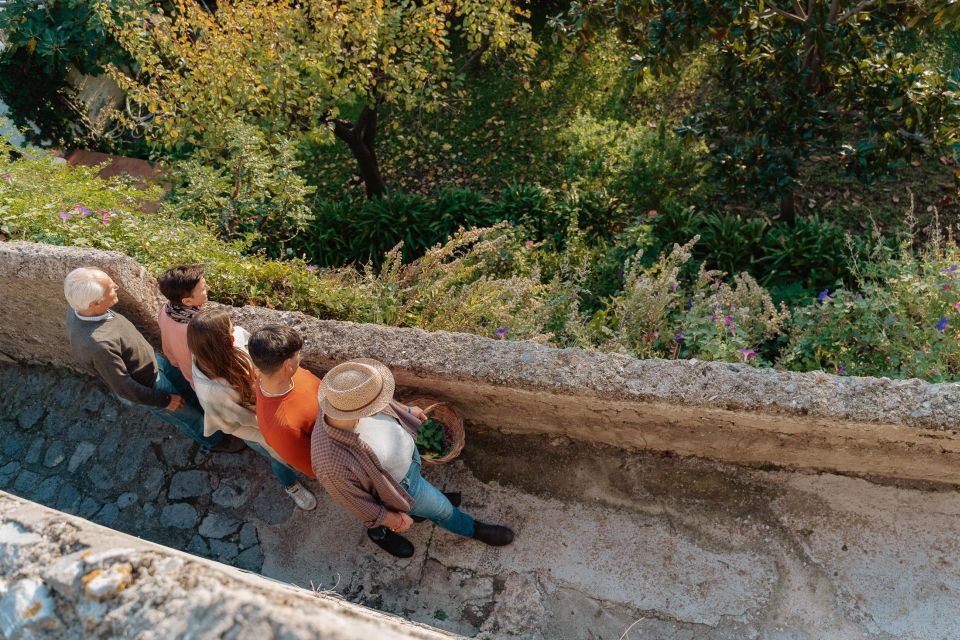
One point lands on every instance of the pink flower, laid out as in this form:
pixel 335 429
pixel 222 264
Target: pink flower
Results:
pixel 748 354
pixel 528 244
pixel 104 216
pixel 651 213
pixel 65 216
pixel 7 177
pixel 311 268
pixel 82 210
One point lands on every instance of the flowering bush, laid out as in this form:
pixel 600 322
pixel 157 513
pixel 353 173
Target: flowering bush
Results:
pixel 902 320
pixel 480 281
pixel 666 314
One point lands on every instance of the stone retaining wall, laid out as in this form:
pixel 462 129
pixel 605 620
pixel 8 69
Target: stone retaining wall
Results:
pixel 65 577
pixel 905 429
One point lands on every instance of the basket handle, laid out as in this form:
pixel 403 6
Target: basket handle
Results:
pixel 434 406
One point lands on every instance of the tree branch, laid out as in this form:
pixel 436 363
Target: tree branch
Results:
pixel 834 9
pixel 799 9
pixel 855 10
pixel 787 15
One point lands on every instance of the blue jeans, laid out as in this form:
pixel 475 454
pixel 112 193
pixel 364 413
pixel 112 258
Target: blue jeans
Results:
pixel 285 473
pixel 430 503
pixel 189 417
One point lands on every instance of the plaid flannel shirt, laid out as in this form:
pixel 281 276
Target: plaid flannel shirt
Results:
pixel 351 473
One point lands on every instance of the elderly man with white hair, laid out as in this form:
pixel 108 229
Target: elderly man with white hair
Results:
pixel 108 345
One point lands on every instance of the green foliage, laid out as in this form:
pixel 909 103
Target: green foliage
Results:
pixel 647 167
pixel 900 321
pixel 310 69
pixel 792 259
pixel 255 192
pixel 433 439
pixel 44 42
pixel 665 313
pixel 795 76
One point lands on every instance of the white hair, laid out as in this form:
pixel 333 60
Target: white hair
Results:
pixel 83 287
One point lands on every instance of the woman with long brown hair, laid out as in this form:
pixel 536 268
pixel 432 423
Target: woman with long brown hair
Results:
pixel 223 377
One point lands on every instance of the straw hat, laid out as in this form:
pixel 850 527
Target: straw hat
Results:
pixel 356 389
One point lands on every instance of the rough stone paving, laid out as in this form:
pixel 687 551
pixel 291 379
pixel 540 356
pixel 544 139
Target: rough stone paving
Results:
pixel 610 544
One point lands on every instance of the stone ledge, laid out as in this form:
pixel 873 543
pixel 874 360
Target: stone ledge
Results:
pixel 65 577
pixel 862 426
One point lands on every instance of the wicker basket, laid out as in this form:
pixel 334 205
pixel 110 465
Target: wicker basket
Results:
pixel 444 413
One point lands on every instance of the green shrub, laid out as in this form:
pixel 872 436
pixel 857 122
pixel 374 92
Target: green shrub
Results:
pixel 481 281
pixel 646 167
pixel 665 313
pixel 254 192
pixel 900 321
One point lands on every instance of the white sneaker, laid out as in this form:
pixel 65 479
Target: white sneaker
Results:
pixel 301 496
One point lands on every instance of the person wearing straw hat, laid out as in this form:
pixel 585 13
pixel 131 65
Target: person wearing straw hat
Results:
pixel 363 452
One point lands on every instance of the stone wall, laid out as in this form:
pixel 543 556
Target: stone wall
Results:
pixel 65 577
pixel 878 427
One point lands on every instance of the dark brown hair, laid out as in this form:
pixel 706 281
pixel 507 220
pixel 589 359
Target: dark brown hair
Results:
pixel 271 345
pixel 180 281
pixel 209 338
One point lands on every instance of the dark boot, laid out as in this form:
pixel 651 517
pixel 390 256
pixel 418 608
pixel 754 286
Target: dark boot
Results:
pixel 229 444
pixel 454 497
pixel 492 534
pixel 393 543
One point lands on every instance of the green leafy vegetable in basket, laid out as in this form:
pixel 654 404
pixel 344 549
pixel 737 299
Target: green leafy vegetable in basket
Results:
pixel 434 439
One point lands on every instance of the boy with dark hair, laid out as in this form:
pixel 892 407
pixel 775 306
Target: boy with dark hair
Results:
pixel 185 288
pixel 286 394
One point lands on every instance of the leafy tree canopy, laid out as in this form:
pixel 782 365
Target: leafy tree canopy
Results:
pixel 793 74
pixel 316 68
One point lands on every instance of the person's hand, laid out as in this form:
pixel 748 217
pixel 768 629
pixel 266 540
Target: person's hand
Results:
pixel 175 402
pixel 418 413
pixel 401 522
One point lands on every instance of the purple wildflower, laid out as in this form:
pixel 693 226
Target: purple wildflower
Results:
pixel 311 268
pixel 748 354
pixel 104 217
pixel 82 210
pixel 713 316
pixel 943 324
pixel 946 287
pixel 951 269
pixel 502 331
pixel 65 216
pixel 7 177
pixel 956 305
pixel 858 296
pixel 528 244
pixel 823 295
pixel 689 305
pixel 841 370
pixel 679 337
pixel 672 287
pixel 728 321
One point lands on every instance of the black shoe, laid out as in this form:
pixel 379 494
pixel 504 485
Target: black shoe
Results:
pixel 229 444
pixel 393 543
pixel 492 534
pixel 454 497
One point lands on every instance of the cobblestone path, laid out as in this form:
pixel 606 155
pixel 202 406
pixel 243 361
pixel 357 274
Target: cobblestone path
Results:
pixel 60 446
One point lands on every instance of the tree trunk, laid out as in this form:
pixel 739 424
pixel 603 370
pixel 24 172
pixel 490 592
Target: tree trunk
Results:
pixel 788 205
pixel 361 140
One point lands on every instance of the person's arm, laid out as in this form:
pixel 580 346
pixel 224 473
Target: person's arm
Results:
pixel 355 499
pixel 415 411
pixel 113 371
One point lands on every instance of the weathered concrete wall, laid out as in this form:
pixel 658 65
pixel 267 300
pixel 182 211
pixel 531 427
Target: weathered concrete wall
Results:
pixel 863 426
pixel 65 577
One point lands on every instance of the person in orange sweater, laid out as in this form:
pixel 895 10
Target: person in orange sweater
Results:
pixel 287 403
pixel 185 288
